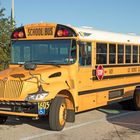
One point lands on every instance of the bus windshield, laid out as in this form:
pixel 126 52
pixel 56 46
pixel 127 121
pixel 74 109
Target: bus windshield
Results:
pixel 44 51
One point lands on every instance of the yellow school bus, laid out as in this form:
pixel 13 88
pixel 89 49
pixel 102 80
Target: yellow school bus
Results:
pixel 58 70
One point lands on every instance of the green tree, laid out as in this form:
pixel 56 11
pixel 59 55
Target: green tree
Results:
pixel 5 33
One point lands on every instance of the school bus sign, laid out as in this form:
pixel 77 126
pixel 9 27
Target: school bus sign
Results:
pixel 40 31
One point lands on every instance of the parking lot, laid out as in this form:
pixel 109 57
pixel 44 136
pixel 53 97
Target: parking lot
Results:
pixel 105 123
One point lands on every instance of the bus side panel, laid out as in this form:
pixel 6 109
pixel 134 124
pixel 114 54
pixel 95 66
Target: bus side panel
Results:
pixel 90 101
pixel 86 102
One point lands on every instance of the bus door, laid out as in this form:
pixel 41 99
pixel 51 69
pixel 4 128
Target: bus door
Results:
pixel 87 100
pixel 85 67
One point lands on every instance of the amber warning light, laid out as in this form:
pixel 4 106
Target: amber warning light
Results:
pixel 18 34
pixel 62 33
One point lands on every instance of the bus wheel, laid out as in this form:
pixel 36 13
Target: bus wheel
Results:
pixel 3 119
pixel 57 114
pixel 134 103
pixel 136 100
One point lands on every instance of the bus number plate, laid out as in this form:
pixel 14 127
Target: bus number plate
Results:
pixel 42 106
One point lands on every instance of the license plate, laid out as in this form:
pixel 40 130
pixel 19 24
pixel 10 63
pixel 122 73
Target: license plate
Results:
pixel 42 108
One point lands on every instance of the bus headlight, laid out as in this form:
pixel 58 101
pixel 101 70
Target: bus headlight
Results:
pixel 38 96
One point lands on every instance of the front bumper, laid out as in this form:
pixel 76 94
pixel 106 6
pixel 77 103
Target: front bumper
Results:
pixel 18 114
pixel 22 108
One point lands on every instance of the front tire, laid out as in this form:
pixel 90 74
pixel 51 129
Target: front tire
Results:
pixel 57 114
pixel 3 119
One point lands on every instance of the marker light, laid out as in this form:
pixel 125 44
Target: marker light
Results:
pixel 60 33
pixel 15 35
pixel 20 34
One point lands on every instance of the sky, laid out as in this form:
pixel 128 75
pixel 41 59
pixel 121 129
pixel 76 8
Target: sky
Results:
pixel 111 15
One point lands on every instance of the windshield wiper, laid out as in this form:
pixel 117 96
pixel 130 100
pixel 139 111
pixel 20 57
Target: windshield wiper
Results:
pixel 53 63
pixel 31 61
pixel 38 61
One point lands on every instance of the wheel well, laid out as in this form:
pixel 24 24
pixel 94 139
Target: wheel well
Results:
pixel 69 99
pixel 137 88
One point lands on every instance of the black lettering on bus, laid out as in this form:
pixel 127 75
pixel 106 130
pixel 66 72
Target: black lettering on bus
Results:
pixel 134 70
pixel 48 31
pixel 40 32
pixel 29 32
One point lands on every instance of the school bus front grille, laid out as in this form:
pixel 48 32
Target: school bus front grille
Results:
pixel 10 89
pixel 1 89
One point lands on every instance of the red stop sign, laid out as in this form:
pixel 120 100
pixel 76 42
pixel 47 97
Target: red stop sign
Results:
pixel 100 72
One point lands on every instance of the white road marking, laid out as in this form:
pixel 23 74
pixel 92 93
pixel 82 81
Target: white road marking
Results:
pixel 134 124
pixel 75 126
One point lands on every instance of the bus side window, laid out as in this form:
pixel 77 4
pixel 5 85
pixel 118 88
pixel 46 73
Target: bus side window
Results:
pixel 128 54
pixel 85 54
pixel 101 53
pixel 135 54
pixel 112 53
pixel 120 53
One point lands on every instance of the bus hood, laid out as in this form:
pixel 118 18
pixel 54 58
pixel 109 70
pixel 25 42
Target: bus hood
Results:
pixel 19 72
pixel 16 83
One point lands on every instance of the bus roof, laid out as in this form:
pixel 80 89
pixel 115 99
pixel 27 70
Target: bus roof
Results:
pixel 93 34
pixel 50 31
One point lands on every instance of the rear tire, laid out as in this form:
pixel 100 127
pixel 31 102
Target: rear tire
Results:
pixel 134 103
pixel 3 119
pixel 57 114
pixel 136 100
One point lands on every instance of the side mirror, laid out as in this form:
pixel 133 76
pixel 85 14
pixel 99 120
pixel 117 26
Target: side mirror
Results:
pixel 30 66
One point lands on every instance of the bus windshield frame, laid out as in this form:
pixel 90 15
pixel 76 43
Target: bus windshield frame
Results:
pixel 41 52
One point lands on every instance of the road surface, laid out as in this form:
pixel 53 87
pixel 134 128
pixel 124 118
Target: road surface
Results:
pixel 105 123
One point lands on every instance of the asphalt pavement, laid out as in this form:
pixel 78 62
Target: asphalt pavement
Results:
pixel 105 123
